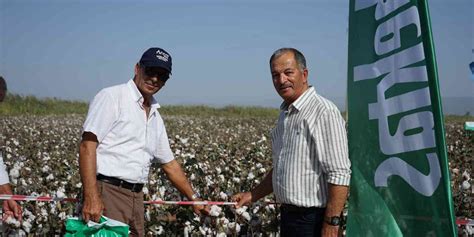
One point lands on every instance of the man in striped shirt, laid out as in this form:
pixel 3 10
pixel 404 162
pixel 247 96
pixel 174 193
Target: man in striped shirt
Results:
pixel 311 168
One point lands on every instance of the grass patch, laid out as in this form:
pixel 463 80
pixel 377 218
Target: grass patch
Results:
pixel 458 118
pixel 15 105
pixel 228 111
pixel 30 105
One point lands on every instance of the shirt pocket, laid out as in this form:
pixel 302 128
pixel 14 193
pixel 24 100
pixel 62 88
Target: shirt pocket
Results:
pixel 131 124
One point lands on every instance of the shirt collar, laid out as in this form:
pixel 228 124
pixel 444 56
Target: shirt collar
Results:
pixel 299 103
pixel 138 97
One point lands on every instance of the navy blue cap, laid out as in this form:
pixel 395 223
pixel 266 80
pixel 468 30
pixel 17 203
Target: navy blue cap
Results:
pixel 156 57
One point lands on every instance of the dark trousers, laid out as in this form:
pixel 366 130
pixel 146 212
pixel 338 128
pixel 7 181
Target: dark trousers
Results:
pixel 301 221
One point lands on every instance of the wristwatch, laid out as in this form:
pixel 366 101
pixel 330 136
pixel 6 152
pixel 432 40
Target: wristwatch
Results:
pixel 333 220
pixel 196 195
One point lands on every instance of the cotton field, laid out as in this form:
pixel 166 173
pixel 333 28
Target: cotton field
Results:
pixel 221 156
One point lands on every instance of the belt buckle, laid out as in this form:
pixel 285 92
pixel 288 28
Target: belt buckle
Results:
pixel 121 184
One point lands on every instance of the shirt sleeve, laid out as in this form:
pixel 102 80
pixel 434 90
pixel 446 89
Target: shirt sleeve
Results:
pixel 163 152
pixel 102 114
pixel 3 172
pixel 332 147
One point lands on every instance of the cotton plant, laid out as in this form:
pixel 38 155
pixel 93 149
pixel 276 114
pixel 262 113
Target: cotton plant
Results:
pixel 220 155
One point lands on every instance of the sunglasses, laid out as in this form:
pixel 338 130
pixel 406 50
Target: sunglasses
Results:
pixel 157 72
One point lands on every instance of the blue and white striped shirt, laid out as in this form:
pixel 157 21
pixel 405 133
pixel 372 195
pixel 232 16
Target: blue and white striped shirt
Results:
pixel 309 145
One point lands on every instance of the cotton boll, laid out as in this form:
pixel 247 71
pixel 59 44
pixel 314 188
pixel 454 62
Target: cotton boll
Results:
pixel 224 220
pixel 62 215
pixel 186 231
pixel 44 213
pixel 15 172
pixel 250 176
pixel 246 215
pixel 209 181
pixel 237 227
pixel 60 194
pixel 147 215
pixel 159 230
pixel 465 185
pixel 162 190
pixel 466 175
pixel 184 141
pixel 223 196
pixel 215 210
pixel 256 209
pixel 455 171
pixel 12 221
pixel 50 177
pixel 241 210
pixel 203 230
pixel 270 207
pixel 45 169
pixel 26 226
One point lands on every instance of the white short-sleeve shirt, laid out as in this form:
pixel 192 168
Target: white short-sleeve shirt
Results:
pixel 3 172
pixel 128 141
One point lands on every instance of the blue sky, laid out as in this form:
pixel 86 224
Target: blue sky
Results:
pixel 220 49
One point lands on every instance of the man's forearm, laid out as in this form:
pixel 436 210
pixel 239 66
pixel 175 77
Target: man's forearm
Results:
pixel 87 168
pixel 264 188
pixel 178 178
pixel 336 200
pixel 6 189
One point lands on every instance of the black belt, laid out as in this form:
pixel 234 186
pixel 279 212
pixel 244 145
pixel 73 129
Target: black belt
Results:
pixel 121 183
pixel 298 209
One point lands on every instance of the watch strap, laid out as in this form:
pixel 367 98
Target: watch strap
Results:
pixel 332 220
pixel 195 196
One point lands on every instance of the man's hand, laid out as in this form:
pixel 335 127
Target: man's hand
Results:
pixel 201 209
pixel 242 199
pixel 92 208
pixel 176 175
pixel 330 230
pixel 11 208
pixel 262 190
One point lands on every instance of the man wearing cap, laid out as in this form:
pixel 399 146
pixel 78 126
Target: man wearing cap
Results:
pixel 122 135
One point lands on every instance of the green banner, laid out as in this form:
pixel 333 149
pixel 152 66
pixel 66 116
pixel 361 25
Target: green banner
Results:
pixel 400 184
